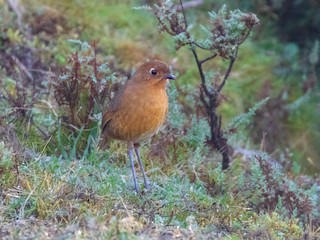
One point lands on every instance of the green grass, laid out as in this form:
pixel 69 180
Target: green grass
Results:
pixel 95 193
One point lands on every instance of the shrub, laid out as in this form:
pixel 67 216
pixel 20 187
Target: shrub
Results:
pixel 222 36
pixel 271 190
pixel 82 89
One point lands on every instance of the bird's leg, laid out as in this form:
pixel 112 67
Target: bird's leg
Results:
pixel 130 148
pixel 136 149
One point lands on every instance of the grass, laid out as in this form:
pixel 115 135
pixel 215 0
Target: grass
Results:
pixel 95 197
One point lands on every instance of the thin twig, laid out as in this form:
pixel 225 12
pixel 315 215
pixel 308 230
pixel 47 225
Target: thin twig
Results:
pixel 232 60
pixel 245 36
pixel 202 76
pixel 164 26
pixel 208 58
pixel 183 14
pixel 45 134
pixel 22 67
pixel 199 46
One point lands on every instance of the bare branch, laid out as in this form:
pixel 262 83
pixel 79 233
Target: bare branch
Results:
pixel 202 76
pixel 208 58
pixel 184 14
pixel 232 60
pixel 22 67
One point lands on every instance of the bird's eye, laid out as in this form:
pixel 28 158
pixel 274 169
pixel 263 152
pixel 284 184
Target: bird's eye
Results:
pixel 153 71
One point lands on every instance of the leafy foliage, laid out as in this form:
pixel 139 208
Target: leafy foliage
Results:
pixel 227 31
pixel 20 86
pixel 276 192
pixel 83 85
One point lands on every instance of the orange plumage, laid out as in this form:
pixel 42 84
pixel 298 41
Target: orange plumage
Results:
pixel 138 110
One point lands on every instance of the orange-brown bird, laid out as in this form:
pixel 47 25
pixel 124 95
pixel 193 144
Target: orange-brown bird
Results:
pixel 138 110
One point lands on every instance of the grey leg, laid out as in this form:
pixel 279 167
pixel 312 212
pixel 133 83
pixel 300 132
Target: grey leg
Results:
pixel 136 186
pixel 146 184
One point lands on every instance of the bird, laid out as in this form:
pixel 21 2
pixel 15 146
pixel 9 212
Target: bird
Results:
pixel 138 110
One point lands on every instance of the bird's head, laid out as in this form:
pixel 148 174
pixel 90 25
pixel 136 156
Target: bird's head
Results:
pixel 153 72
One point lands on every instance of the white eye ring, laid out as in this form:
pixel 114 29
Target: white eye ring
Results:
pixel 153 71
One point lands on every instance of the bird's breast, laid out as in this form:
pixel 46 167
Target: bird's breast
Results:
pixel 141 114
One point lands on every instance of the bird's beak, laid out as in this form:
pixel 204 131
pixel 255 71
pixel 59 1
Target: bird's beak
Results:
pixel 171 77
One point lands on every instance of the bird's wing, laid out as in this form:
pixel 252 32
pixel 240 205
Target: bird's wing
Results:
pixel 112 108
pixel 106 119
pixel 104 139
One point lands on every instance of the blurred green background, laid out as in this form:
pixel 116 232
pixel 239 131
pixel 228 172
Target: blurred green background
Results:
pixel 280 60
